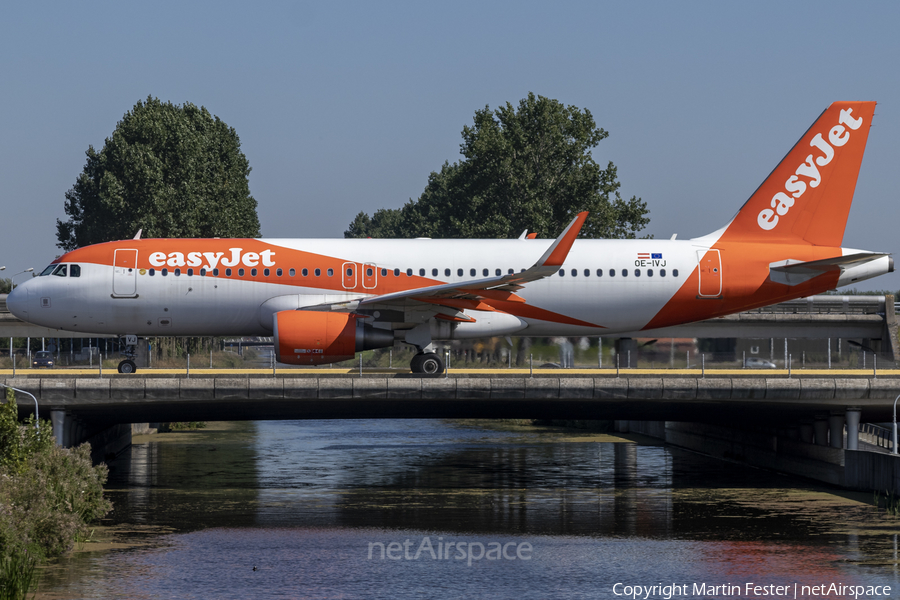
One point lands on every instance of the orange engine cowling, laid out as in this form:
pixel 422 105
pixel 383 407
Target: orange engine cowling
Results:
pixel 316 338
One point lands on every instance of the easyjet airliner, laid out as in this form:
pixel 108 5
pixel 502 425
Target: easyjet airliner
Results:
pixel 324 300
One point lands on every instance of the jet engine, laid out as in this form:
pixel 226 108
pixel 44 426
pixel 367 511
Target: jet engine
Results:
pixel 316 338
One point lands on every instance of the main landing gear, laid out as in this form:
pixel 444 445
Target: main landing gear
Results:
pixel 128 366
pixel 428 364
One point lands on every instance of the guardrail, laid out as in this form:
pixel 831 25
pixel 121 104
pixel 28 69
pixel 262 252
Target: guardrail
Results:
pixel 828 304
pixel 875 435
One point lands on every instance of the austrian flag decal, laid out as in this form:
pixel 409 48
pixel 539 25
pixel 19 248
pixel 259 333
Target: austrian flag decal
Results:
pixel 649 259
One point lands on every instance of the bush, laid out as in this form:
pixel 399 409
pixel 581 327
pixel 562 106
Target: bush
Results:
pixel 48 495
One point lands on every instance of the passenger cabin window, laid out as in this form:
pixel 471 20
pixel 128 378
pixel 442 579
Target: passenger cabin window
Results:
pixel 267 271
pixel 485 272
pixel 409 272
pixel 215 272
pixel 674 272
pixel 587 272
pixel 459 272
pixel 637 272
pixel 60 271
pixel 471 272
pixel 562 272
pixel 649 272
pixel 331 272
pixel 202 272
pixel 421 272
pixel 396 272
pixel 318 272
pixel 574 272
pixel 253 272
pixel 152 272
pixel 369 272
pixel 240 272
pixel 624 272
pixel 278 272
pixel 190 272
pixel 384 272
pixel 434 272
pixel 599 272
pixel 612 272
pixel 446 272
pixel 165 272
pixel 662 272
pixel 497 272
pixel 227 272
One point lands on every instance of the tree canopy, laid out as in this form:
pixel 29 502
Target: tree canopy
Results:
pixel 523 168
pixel 173 171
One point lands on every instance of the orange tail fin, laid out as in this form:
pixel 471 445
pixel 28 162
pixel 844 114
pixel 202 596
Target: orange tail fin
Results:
pixel 807 198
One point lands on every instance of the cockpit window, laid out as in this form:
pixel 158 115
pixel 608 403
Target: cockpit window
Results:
pixel 74 270
pixel 60 270
pixel 47 271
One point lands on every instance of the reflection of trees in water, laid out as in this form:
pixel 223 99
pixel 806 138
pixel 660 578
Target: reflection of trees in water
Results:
pixel 193 482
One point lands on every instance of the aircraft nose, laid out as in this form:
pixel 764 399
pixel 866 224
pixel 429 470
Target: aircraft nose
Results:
pixel 17 301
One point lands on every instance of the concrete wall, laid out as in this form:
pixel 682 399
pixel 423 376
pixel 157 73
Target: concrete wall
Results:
pixel 852 469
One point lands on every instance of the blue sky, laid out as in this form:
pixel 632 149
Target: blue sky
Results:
pixel 344 106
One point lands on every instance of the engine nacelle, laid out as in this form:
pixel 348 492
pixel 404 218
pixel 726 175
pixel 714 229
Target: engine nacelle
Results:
pixel 316 338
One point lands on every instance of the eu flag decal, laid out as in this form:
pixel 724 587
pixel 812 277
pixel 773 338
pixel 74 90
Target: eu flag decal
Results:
pixel 657 255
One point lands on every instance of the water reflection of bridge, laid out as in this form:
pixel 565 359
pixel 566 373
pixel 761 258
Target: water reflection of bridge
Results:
pixel 269 475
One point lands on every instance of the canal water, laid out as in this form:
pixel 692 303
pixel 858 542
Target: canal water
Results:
pixel 444 509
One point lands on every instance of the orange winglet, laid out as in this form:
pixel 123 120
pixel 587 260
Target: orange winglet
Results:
pixel 556 254
pixel 531 236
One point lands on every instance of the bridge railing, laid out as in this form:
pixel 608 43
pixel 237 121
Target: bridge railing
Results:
pixel 875 435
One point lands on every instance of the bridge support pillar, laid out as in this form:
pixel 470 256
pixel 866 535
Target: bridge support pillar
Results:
pixel 820 430
pixel 806 432
pixel 58 420
pixel 853 427
pixel 836 428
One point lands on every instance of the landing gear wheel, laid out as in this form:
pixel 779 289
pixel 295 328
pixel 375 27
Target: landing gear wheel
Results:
pixel 127 366
pixel 429 364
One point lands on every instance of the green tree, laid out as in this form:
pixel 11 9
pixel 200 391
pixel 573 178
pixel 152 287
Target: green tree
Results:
pixel 173 171
pixel 523 168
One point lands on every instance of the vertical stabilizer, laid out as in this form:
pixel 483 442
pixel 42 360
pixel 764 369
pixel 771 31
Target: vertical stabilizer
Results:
pixel 807 198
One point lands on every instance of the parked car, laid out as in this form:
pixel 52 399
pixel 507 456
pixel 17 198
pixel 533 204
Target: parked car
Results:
pixel 759 363
pixel 42 358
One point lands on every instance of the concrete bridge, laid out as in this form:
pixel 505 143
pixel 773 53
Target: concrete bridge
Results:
pixel 807 425
pixel 781 402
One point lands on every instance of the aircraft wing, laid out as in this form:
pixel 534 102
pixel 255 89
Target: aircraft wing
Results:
pixel 468 294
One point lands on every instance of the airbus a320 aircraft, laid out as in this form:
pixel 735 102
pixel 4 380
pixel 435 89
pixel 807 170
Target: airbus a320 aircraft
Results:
pixel 324 300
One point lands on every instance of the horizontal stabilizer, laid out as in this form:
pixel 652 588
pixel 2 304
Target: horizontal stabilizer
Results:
pixel 794 272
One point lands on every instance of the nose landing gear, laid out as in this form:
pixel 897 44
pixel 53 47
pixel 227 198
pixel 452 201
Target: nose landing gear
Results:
pixel 128 365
